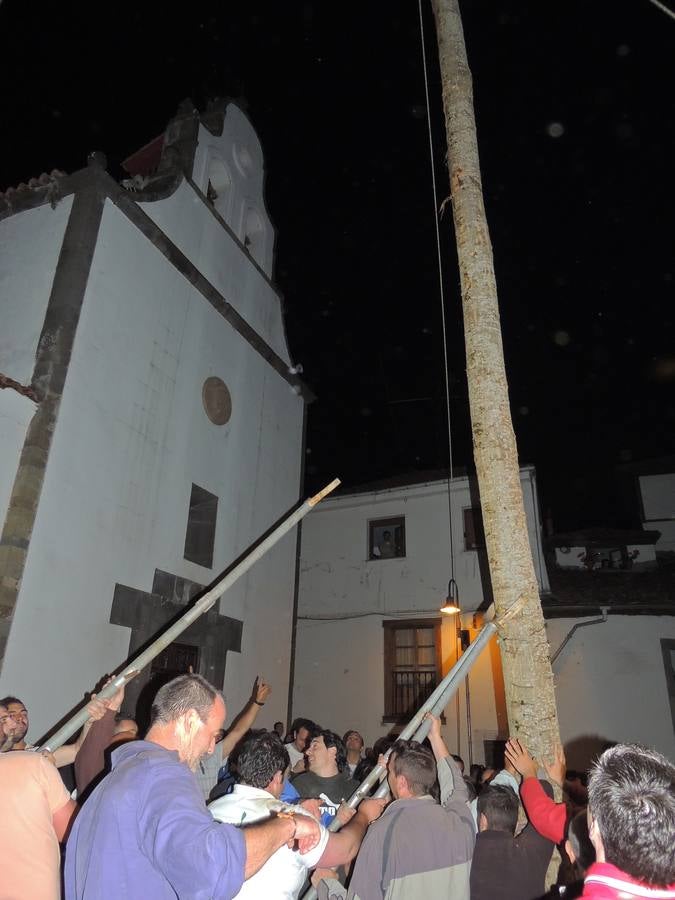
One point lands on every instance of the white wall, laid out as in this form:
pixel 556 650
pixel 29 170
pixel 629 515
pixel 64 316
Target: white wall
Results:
pixel 30 243
pixel 337 575
pixel 658 496
pixel 658 504
pixel 184 218
pixel 339 670
pixel 611 684
pixel 131 438
pixel 667 540
pixel 572 559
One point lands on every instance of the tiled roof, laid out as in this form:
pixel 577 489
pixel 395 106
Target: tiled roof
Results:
pixel 583 592
pixel 603 537
pixel 44 183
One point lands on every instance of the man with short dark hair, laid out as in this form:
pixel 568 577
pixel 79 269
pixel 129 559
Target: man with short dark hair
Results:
pixel 36 813
pixel 328 777
pixel 262 762
pixel 302 730
pixel 354 746
pixel 145 833
pixel 418 848
pixel 631 809
pixel 62 756
pixel 126 728
pixel 506 866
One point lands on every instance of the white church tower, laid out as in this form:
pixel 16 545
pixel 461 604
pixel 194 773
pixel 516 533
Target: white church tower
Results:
pixel 151 422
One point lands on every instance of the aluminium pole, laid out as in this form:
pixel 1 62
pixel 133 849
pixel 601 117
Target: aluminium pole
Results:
pixel 418 727
pixel 201 606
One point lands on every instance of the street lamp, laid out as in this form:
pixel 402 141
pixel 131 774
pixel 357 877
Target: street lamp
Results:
pixel 451 606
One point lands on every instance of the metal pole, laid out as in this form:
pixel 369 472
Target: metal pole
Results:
pixel 469 735
pixel 418 727
pixel 201 606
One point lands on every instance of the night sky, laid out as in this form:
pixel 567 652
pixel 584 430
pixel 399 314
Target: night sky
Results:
pixel 575 109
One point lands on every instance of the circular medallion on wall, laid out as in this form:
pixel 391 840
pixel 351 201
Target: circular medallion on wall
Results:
pixel 217 400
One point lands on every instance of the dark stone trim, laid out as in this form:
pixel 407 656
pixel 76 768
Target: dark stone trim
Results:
pixel 124 202
pixel 177 161
pixel 51 366
pixel 127 202
pixel 296 585
pixel 235 237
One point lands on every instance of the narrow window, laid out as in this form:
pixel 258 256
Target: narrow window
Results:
pixel 412 665
pixel 474 536
pixel 201 527
pixel 386 538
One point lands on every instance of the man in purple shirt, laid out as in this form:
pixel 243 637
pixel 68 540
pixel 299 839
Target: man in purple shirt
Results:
pixel 145 833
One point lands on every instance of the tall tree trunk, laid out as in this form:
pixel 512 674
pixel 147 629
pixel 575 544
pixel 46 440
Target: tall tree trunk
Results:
pixel 524 647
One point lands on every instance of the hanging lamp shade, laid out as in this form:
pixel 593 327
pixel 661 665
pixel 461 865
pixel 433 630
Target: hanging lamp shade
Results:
pixel 451 606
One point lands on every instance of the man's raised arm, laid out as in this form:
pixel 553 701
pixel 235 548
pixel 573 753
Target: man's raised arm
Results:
pixel 246 718
pixel 449 774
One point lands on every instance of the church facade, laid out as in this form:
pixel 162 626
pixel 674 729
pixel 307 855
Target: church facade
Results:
pixel 151 421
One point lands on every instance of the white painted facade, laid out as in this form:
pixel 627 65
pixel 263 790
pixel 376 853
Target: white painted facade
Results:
pixel 132 435
pixel 344 597
pixel 611 684
pixel 610 678
pixel 658 506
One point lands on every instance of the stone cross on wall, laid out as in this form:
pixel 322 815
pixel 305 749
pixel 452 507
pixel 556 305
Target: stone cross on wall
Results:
pixel 147 614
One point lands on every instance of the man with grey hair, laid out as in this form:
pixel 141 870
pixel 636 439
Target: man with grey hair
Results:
pixel 631 817
pixel 145 833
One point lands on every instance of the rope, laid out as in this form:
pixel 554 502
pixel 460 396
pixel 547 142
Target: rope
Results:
pixel 442 295
pixel 663 8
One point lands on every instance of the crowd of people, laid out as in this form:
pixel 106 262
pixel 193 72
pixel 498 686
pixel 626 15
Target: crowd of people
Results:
pixel 194 811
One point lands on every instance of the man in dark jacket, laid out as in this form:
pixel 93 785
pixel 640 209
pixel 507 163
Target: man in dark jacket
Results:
pixel 506 866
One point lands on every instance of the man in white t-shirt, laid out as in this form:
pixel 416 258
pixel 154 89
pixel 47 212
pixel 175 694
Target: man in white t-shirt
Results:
pixel 262 763
pixel 302 734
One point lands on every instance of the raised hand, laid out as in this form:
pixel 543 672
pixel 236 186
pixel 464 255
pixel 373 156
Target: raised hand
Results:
pixel 261 690
pixel 520 759
pixel 558 767
pixel 435 724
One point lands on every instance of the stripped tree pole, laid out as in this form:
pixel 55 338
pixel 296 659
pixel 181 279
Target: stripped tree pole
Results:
pixel 194 612
pixel 528 676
